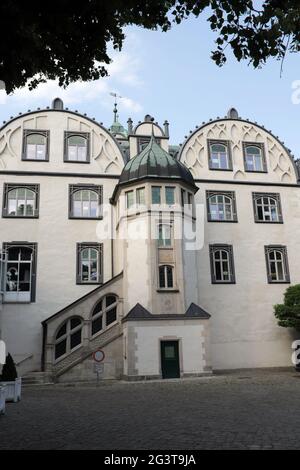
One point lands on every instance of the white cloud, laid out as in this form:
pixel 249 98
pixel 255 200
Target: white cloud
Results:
pixel 124 72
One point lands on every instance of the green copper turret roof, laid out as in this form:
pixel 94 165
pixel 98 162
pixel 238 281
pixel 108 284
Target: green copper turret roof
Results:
pixel 155 162
pixel 117 128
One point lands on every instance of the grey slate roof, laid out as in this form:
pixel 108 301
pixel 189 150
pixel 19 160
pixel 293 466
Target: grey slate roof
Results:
pixel 138 312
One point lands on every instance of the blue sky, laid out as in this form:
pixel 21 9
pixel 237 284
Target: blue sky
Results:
pixel 171 76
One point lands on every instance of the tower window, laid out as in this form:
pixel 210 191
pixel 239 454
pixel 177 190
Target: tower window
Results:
pixel 170 195
pixel 129 199
pixel 156 194
pixel 164 236
pixel 166 280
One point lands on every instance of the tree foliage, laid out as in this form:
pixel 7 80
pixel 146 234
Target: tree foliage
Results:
pixel 69 40
pixel 288 313
pixel 9 371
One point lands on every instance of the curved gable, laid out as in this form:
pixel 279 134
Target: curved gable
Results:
pixel 280 165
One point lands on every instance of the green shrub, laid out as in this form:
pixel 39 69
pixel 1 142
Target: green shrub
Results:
pixel 288 313
pixel 9 371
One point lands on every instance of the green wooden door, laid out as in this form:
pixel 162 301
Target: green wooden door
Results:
pixel 169 359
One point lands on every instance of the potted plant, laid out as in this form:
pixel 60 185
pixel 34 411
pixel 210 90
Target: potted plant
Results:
pixel 10 381
pixel 288 314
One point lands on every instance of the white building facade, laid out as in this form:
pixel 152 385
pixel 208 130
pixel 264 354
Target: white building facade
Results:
pixel 96 249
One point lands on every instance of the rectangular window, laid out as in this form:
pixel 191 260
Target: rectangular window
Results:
pixel 277 264
pixel 76 147
pixel 219 155
pixel 254 157
pixel 156 199
pixel 164 236
pixel 21 200
pixel 170 195
pixel 267 207
pixel 144 141
pixel 35 145
pixel 221 206
pixel 20 272
pixel 85 202
pixel 89 263
pixel 222 265
pixel 140 196
pixel 129 199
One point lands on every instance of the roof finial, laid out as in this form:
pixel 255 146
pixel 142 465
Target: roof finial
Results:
pixel 115 111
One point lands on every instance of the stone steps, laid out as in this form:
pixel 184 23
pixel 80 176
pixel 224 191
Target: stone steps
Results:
pixel 37 378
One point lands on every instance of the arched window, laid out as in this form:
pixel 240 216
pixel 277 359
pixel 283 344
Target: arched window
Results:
pixel 89 265
pixel 20 272
pixel 221 206
pixel 277 264
pixel 76 147
pixel 35 145
pixel 254 158
pixel 104 313
pixel 267 207
pixel 85 203
pixel 219 156
pixel 222 268
pixel 20 200
pixel 68 337
pixel 166 278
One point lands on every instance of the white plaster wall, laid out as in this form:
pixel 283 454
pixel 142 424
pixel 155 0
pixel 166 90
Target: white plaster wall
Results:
pixel 147 345
pixel 244 331
pixel 55 234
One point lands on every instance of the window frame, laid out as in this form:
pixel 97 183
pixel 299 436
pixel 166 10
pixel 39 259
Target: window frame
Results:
pixel 34 247
pixel 167 289
pixel 160 195
pixel 261 146
pixel 86 135
pixel 102 313
pixel 276 196
pixel 81 246
pixel 226 143
pixel 73 188
pixel 131 191
pixel 67 336
pixel 165 247
pixel 231 269
pixel 7 187
pixel 26 133
pixel 231 195
pixel 283 250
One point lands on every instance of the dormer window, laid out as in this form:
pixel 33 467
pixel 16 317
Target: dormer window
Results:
pixel 35 145
pixel 219 155
pixel 77 148
pixel 254 157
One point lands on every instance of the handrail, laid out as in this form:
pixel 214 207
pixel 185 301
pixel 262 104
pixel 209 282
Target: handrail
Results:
pixel 23 360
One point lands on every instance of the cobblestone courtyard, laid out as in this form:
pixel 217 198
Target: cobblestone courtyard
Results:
pixel 241 410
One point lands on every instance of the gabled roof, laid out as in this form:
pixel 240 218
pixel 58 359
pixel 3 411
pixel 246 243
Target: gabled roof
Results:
pixel 138 312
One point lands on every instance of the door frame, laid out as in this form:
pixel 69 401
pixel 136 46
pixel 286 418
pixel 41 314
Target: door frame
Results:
pixel 165 340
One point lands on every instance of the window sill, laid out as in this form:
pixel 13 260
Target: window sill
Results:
pixel 223 282
pixel 256 171
pixel 86 218
pixel 222 221
pixel 166 291
pixel 279 282
pixel 76 161
pixel 220 169
pixel 20 216
pixel 91 283
pixel 35 160
pixel 268 222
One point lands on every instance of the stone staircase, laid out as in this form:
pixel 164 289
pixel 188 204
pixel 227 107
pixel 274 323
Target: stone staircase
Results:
pixel 37 378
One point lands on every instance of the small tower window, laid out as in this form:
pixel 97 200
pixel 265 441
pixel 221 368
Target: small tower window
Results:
pixel 170 195
pixel 156 196
pixel 166 280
